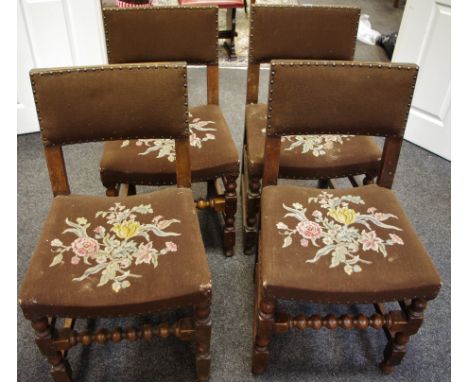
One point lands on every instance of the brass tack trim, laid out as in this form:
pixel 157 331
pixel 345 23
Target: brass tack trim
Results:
pixel 92 69
pixel 350 64
pixel 158 9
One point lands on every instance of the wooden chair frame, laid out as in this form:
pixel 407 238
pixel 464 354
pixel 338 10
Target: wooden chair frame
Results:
pixel 54 342
pixel 221 192
pixel 398 325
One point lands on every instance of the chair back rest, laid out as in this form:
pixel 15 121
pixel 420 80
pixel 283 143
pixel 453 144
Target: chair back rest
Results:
pixel 299 32
pixel 162 34
pixel 338 97
pixel 190 34
pixel 112 102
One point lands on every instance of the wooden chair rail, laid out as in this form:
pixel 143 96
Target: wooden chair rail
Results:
pixel 64 339
pixel 285 322
pixel 398 325
pixel 217 203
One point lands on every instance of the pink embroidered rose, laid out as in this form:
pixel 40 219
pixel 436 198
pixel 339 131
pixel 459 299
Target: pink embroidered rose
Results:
pixel 370 240
pixel 317 214
pixel 170 246
pixel 309 230
pixel 304 242
pixel 85 247
pixel 371 210
pixel 380 216
pixel 75 260
pixel 397 239
pixel 99 230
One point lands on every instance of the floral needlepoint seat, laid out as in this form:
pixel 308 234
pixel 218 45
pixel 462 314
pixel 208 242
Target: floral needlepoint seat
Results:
pixel 101 254
pixel 123 256
pixel 212 151
pixel 310 156
pixel 341 246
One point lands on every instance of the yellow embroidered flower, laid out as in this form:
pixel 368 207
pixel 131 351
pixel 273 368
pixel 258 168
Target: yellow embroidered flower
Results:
pixel 126 229
pixel 343 215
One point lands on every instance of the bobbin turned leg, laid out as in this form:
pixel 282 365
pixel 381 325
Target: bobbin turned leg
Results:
pixel 396 347
pixel 131 189
pixel 112 190
pixel 251 210
pixel 263 331
pixel 230 208
pixel 231 33
pixel 202 340
pixel 59 366
pixel 368 179
pixel 323 183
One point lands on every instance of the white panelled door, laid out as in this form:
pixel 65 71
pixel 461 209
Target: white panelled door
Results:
pixel 53 33
pixel 424 39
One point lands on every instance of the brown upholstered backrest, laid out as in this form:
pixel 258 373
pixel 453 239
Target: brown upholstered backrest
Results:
pixel 342 97
pixel 302 32
pixel 162 34
pixel 86 104
pixel 338 97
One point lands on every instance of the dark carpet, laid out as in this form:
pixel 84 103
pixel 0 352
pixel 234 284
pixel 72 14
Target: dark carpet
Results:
pixel 422 185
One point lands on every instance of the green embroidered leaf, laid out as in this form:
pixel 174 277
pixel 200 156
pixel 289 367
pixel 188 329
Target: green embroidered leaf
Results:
pixel 77 229
pixel 362 219
pixel 122 276
pixel 90 271
pixel 338 257
pixel 108 274
pixel 300 215
pixel 166 223
pixel 57 260
pixel 287 241
pixel 322 252
pixel 160 232
pixel 154 259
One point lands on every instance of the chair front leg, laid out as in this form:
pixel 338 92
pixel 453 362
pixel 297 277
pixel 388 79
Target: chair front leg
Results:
pixel 230 209
pixel 202 340
pixel 59 366
pixel 112 189
pixel 368 179
pixel 396 346
pixel 263 327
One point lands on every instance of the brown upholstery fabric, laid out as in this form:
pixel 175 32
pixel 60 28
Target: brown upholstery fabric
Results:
pixel 302 32
pixel 162 34
pixel 373 98
pixel 406 272
pixel 181 278
pixel 215 158
pixel 356 155
pixel 110 102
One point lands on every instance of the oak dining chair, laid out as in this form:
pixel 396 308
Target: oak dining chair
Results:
pixel 116 257
pixel 339 246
